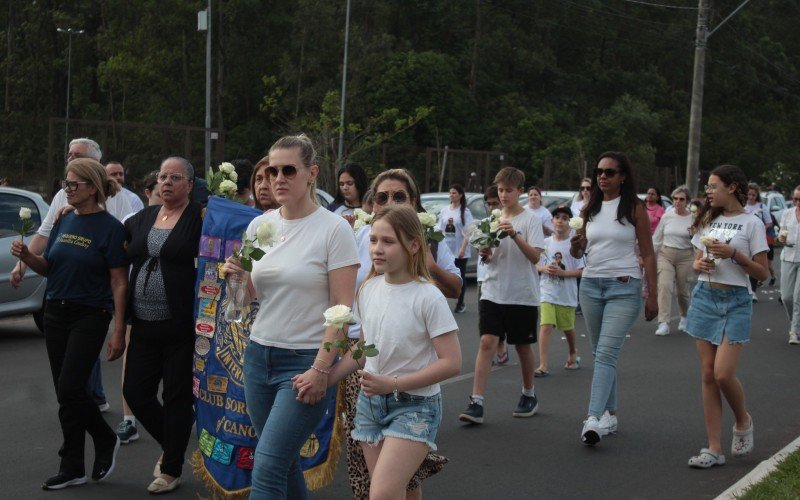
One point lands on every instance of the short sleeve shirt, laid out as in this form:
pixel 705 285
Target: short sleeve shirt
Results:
pixel 559 290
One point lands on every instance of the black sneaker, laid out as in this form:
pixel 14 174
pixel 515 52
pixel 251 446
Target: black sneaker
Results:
pixel 473 413
pixel 126 432
pixel 460 308
pixel 104 461
pixel 526 407
pixel 62 480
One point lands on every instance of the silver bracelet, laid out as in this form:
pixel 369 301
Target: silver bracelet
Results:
pixel 324 372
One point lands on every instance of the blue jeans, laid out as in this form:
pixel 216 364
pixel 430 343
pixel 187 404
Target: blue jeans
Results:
pixel 282 423
pixel 610 307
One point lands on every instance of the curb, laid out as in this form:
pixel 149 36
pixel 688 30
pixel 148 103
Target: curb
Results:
pixel 761 471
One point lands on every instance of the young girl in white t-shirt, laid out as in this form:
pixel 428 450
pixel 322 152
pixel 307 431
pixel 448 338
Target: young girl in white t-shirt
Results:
pixel 407 318
pixel 731 246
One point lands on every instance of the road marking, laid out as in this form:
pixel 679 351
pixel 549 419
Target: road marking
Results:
pixel 467 376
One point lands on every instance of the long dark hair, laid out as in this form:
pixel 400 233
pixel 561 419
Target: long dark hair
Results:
pixel 659 201
pixel 728 174
pixel 460 189
pixel 627 191
pixel 358 175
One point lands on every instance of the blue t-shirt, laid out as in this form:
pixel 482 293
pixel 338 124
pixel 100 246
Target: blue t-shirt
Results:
pixel 79 254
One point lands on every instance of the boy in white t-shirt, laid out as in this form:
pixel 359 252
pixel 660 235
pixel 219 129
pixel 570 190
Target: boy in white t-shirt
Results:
pixel 509 296
pixel 492 202
pixel 559 291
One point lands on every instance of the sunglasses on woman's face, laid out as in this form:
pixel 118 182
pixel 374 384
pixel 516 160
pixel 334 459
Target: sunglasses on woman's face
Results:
pixel 382 197
pixel 678 198
pixel 289 172
pixel 608 172
pixel 586 188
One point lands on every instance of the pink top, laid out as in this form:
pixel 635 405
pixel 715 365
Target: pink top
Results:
pixel 654 213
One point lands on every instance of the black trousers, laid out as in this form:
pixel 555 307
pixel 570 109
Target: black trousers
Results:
pixel 159 350
pixel 461 264
pixel 74 335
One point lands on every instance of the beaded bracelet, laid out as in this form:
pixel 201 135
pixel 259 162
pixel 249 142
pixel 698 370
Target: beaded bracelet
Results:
pixel 733 259
pixel 324 372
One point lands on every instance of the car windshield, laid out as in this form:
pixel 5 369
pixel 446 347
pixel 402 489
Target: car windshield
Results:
pixel 435 204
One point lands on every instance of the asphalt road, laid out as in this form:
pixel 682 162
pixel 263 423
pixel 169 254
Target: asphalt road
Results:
pixel 660 422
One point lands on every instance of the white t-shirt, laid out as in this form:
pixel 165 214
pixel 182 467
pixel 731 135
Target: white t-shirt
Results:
pixel 559 290
pixel 118 206
pixel 291 280
pixel 344 210
pixel 510 277
pixel 611 250
pixel 577 206
pixel 759 210
pixel 790 252
pixel 134 200
pixel 401 320
pixel 544 215
pixel 454 235
pixel 444 259
pixel 673 231
pixel 743 232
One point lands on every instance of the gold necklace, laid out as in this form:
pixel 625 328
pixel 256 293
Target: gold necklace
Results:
pixel 167 216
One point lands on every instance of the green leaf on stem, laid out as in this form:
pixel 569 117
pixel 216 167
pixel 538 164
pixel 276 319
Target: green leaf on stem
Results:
pixel 256 253
pixel 247 264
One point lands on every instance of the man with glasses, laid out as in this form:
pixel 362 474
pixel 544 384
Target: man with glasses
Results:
pixel 118 206
pixel 115 170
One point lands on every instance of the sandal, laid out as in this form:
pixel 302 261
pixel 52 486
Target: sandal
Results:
pixel 574 365
pixel 742 441
pixel 706 459
pixel 161 485
pixel 540 373
pixel 502 358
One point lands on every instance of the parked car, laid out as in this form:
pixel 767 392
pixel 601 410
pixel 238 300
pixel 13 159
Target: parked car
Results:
pixel 776 203
pixel 551 199
pixel 433 203
pixel 665 200
pixel 29 297
pixel 323 198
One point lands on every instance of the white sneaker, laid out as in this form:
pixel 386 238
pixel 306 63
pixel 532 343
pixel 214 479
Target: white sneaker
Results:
pixel 608 423
pixel 663 329
pixel 682 324
pixel 591 433
pixel 793 339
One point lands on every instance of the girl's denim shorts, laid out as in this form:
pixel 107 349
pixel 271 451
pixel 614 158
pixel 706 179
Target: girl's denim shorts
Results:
pixel 715 312
pixel 415 418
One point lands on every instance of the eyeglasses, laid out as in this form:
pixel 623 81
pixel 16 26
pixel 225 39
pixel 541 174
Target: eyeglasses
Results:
pixel 586 188
pixel 382 197
pixel 678 198
pixel 289 172
pixel 709 187
pixel 608 172
pixel 162 178
pixel 71 185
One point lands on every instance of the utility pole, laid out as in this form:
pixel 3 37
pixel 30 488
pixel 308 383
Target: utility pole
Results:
pixel 698 81
pixel 344 86
pixel 69 32
pixel 204 24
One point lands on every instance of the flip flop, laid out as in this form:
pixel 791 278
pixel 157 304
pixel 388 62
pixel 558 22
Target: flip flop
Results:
pixel 501 360
pixel 540 373
pixel 577 364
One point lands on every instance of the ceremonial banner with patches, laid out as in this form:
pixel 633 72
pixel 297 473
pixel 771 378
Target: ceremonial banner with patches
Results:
pixel 226 437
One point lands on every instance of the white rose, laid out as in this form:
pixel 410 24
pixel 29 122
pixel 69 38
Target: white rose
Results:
pixel 338 316
pixel 693 208
pixel 496 213
pixel 227 186
pixel 494 226
pixel 358 224
pixel 576 223
pixel 24 213
pixel 784 233
pixel 227 168
pixel 265 233
pixel 706 240
pixel 426 219
pixel 358 213
pixel 233 176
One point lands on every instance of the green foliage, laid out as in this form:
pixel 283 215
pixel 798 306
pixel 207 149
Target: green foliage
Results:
pixel 784 482
pixel 361 349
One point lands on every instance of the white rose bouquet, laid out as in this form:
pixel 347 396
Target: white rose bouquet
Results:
pixel 338 316
pixel 362 219
pixel 249 252
pixel 428 222
pixel 223 181
pixel 486 233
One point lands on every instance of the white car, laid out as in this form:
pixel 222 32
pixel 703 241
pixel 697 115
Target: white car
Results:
pixel 29 297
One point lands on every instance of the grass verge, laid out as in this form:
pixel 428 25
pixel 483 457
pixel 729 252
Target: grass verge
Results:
pixel 784 482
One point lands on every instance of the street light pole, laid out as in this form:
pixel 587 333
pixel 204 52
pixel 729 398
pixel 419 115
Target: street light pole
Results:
pixel 208 89
pixel 69 32
pixel 344 85
pixel 698 81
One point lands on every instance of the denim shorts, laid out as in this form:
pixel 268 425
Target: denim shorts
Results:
pixel 415 418
pixel 715 312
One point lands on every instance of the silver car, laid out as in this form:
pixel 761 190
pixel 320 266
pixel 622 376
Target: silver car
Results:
pixel 433 203
pixel 29 297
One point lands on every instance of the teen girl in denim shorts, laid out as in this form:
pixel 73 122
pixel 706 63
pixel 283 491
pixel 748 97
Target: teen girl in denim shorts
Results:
pixel 731 247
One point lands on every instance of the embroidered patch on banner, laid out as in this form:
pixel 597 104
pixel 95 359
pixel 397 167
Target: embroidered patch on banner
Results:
pixel 209 289
pixel 196 386
pixel 210 247
pixel 217 383
pixel 207 307
pixel 205 326
pixel 206 443
pixel 223 452
pixel 210 273
pixel 199 365
pixel 202 346
pixel 244 458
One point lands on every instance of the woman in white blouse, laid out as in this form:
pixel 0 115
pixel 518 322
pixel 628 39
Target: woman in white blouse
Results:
pixel 673 245
pixel 790 266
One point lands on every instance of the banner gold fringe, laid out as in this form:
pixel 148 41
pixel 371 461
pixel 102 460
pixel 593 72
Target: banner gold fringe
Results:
pixel 316 477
